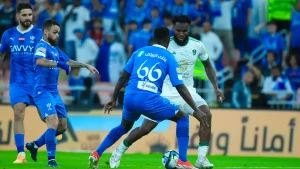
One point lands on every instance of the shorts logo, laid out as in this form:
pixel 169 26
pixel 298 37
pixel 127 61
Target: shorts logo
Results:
pixel 49 106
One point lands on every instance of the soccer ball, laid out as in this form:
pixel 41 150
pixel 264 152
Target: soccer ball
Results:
pixel 170 159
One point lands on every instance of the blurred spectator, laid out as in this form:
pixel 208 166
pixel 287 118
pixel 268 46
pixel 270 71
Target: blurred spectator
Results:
pixel 293 71
pixel 295 34
pixel 102 59
pixel 277 87
pixel 47 13
pixel 258 16
pixel 203 9
pixel 272 40
pixel 168 23
pixel 110 17
pixel 96 32
pixel 137 12
pixel 155 18
pixel 75 80
pixel 132 28
pixel 241 17
pixel 117 60
pixel 241 92
pixel 86 50
pixel 180 7
pixel 271 62
pixel 77 17
pixel 88 97
pixel 212 43
pixel 141 38
pixel 280 11
pixel 223 28
pixel 7 16
pixel 157 4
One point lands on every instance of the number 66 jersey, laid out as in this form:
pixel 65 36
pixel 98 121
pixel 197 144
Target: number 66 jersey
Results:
pixel 149 67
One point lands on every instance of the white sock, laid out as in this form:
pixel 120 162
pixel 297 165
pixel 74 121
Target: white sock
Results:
pixel 202 151
pixel 22 153
pixel 123 147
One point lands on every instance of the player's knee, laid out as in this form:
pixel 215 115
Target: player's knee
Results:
pixel 52 121
pixel 61 129
pixel 19 114
pixel 208 115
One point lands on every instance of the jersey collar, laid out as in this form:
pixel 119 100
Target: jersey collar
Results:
pixel 157 45
pixel 27 30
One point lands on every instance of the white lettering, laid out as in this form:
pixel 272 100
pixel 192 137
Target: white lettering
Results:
pixel 154 55
pixel 148 86
pixel 21 48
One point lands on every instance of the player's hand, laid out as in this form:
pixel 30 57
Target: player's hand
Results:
pixel 109 106
pixel 203 117
pixel 92 69
pixel 219 95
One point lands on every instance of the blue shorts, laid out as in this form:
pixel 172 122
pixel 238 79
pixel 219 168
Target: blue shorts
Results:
pixel 49 102
pixel 21 93
pixel 152 106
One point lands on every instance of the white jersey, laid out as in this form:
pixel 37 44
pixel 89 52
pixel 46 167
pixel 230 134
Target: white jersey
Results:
pixel 186 57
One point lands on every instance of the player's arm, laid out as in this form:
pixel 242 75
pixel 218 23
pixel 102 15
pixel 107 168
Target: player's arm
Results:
pixel 120 84
pixel 45 62
pixel 4 47
pixel 74 64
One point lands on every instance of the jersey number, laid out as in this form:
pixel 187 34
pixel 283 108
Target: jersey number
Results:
pixel 148 72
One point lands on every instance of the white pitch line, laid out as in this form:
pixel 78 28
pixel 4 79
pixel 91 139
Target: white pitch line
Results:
pixel 260 167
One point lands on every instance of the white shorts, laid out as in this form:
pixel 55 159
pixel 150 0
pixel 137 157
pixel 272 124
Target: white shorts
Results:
pixel 183 105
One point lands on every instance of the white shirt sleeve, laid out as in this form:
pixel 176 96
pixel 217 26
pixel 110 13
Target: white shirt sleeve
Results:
pixel 86 15
pixel 93 47
pixel 203 55
pixel 267 85
pixel 288 86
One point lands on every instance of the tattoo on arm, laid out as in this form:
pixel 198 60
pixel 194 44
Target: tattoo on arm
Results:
pixel 75 64
pixel 46 63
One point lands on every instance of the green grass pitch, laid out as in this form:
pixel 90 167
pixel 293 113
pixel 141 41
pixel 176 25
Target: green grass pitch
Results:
pixel 73 160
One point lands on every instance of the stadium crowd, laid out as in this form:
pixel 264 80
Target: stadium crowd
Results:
pixel 257 39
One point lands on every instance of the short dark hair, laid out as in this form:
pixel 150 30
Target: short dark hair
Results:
pixel 22 6
pixel 181 19
pixel 146 21
pixel 49 22
pixel 168 16
pixel 276 67
pixel 132 22
pixel 290 57
pixel 161 34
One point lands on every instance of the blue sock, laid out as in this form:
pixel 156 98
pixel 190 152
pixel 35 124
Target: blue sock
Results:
pixel 182 134
pixel 19 140
pixel 114 135
pixel 41 141
pixel 50 143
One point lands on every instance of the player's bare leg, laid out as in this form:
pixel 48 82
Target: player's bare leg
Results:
pixel 33 147
pixel 114 135
pixel 19 114
pixel 137 134
pixel 204 133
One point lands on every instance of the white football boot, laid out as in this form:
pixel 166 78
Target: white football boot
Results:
pixel 204 164
pixel 116 156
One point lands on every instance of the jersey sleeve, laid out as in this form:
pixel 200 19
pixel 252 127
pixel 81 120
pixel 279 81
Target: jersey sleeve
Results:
pixel 203 55
pixel 174 71
pixel 62 56
pixel 40 51
pixel 4 47
pixel 129 66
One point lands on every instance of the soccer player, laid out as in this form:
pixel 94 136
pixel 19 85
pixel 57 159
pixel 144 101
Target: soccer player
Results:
pixel 145 73
pixel 186 51
pixel 19 42
pixel 48 58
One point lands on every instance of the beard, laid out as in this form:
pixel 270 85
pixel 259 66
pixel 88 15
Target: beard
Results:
pixel 53 42
pixel 26 24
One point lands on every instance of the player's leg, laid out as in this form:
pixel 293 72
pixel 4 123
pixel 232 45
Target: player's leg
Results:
pixel 19 99
pixel 114 135
pixel 19 113
pixel 204 131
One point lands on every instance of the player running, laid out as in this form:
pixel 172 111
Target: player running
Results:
pixel 19 42
pixel 48 58
pixel 186 51
pixel 146 71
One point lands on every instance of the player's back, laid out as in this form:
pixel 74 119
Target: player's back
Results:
pixel 20 45
pixel 148 68
pixel 47 77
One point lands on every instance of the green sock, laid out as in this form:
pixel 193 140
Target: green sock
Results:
pixel 126 143
pixel 203 144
